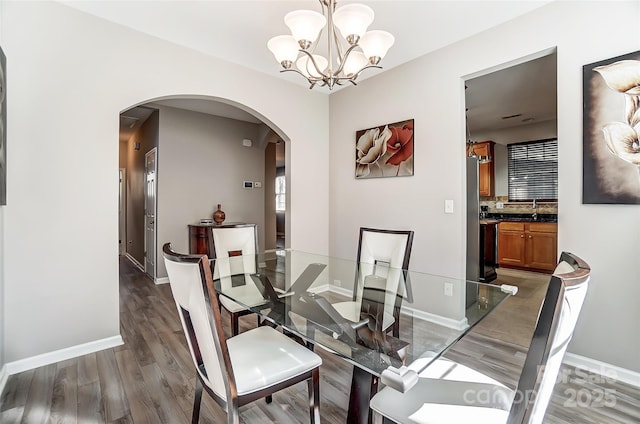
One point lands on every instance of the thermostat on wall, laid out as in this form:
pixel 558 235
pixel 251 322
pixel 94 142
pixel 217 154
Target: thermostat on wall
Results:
pixel 248 184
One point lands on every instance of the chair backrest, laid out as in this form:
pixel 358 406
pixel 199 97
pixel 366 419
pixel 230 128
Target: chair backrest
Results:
pixel 391 246
pixel 383 259
pixel 194 294
pixel 554 329
pixel 234 249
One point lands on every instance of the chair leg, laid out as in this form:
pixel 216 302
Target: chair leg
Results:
pixel 233 416
pixel 197 400
pixel 376 418
pixel 313 385
pixel 234 324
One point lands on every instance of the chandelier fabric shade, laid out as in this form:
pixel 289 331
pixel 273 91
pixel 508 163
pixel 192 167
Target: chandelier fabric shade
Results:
pixel 350 47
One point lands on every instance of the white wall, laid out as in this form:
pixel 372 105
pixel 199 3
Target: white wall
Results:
pixel 201 162
pixel 430 90
pixel 3 318
pixel 73 74
pixel 3 315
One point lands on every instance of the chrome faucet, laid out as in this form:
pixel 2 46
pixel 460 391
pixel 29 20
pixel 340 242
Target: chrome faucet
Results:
pixel 534 215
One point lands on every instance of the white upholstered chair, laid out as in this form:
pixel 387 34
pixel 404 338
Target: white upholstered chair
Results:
pixel 383 260
pixel 447 392
pixel 241 369
pixel 235 247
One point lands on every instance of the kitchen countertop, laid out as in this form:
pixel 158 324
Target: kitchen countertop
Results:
pixel 520 217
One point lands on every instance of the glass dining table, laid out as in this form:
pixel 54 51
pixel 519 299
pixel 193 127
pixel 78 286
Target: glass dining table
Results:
pixel 371 315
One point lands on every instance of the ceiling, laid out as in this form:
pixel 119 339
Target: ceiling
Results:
pixel 237 31
pixel 523 94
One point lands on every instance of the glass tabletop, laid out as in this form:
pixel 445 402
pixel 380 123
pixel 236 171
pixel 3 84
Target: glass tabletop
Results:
pixel 372 315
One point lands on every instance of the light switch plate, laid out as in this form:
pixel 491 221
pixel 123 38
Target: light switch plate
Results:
pixel 448 206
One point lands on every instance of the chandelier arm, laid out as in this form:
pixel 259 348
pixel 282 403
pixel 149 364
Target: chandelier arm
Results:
pixel 357 74
pixel 315 65
pixel 346 55
pixel 310 80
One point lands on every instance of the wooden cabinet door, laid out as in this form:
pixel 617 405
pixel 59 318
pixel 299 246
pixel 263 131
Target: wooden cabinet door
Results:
pixel 200 240
pixel 511 245
pixel 486 179
pixel 541 250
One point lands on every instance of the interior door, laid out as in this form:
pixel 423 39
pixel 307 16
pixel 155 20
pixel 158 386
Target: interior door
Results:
pixel 122 234
pixel 150 214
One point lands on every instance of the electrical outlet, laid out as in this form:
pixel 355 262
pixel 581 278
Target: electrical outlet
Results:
pixel 337 283
pixel 448 289
pixel 499 205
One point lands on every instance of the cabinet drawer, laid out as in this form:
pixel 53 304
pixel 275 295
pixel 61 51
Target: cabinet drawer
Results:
pixel 511 226
pixel 542 227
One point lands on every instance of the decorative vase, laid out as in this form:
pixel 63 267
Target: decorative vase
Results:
pixel 218 216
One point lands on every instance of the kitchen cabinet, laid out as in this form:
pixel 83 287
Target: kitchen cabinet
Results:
pixel 528 245
pixel 486 171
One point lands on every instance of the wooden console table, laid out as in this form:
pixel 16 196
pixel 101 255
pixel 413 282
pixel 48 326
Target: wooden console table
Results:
pixel 200 239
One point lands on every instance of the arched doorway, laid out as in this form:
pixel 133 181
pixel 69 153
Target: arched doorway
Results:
pixel 209 151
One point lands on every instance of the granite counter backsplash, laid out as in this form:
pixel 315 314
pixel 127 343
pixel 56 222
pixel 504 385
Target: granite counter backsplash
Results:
pixel 519 207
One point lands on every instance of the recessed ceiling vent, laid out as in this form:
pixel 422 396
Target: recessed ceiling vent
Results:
pixel 512 116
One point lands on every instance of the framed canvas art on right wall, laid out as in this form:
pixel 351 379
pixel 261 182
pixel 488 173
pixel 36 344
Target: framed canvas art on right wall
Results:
pixel 611 131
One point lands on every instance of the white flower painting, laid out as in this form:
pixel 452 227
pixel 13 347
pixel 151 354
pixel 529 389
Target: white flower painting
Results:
pixel 385 151
pixel 611 154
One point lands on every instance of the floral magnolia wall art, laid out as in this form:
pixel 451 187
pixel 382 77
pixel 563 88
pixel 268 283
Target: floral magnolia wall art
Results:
pixel 385 151
pixel 611 153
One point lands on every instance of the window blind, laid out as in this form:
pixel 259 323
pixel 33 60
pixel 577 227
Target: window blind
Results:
pixel 533 170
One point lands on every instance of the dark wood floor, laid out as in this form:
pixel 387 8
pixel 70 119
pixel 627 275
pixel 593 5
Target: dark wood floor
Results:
pixel 150 378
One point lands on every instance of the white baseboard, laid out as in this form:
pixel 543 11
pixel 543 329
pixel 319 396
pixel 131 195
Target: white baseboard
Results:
pixel 457 324
pixel 460 324
pixel 162 280
pixel 62 354
pixel 609 371
pixel 134 261
pixel 3 378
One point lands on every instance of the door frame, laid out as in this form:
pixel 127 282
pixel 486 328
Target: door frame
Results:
pixel 122 212
pixel 151 268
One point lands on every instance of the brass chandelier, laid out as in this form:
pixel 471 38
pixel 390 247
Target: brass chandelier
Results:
pixel 349 55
